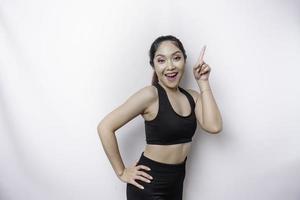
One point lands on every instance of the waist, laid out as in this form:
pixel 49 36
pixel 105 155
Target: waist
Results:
pixel 171 154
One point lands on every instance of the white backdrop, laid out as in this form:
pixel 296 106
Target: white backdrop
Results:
pixel 65 64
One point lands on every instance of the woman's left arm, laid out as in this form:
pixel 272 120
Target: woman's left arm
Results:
pixel 206 110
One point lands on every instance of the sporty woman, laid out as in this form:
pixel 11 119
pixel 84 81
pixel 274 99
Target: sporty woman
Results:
pixel 170 116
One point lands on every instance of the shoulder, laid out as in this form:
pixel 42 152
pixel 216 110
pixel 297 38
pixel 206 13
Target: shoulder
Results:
pixel 194 94
pixel 147 94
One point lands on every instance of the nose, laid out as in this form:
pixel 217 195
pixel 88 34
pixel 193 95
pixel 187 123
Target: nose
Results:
pixel 170 65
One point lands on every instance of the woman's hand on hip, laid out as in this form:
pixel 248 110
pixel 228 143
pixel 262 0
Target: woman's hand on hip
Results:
pixel 130 174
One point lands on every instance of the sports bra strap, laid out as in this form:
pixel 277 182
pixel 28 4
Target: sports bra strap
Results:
pixel 189 96
pixel 163 98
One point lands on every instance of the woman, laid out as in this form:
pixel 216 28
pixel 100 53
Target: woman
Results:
pixel 171 114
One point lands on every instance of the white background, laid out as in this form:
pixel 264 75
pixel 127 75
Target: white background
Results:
pixel 65 64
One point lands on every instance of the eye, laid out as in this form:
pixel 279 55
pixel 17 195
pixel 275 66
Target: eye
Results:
pixel 177 58
pixel 160 61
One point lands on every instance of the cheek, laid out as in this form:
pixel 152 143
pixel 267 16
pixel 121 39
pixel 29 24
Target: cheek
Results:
pixel 158 70
pixel 181 65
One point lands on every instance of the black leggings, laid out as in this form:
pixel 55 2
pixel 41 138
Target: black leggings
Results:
pixel 167 182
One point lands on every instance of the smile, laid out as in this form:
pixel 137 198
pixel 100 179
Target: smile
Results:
pixel 171 76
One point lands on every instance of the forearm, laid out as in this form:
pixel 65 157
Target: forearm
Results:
pixel 212 119
pixel 110 146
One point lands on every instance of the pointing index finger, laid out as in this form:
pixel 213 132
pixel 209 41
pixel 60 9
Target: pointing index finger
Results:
pixel 202 52
pixel 200 59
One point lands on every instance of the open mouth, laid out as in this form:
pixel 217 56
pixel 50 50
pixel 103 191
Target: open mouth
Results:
pixel 171 76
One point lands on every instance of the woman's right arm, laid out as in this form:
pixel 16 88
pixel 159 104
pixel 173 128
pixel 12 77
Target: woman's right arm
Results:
pixel 132 107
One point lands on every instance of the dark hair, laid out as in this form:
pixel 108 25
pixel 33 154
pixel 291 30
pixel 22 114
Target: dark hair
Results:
pixel 154 47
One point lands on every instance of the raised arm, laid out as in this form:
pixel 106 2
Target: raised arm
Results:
pixel 207 111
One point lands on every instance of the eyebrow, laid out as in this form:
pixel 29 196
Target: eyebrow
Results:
pixel 172 53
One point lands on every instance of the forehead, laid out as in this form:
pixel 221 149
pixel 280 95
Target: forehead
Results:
pixel 167 48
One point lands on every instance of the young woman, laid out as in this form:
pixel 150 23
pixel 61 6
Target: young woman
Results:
pixel 171 114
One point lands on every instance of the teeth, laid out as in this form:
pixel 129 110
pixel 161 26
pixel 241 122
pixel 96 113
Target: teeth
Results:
pixel 172 74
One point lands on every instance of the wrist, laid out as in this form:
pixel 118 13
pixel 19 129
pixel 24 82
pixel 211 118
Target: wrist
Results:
pixel 203 85
pixel 205 90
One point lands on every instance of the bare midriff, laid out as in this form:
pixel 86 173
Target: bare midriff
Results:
pixel 170 154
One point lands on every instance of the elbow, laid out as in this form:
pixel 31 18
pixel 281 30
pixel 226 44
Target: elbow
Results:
pixel 102 132
pixel 215 130
pixel 101 129
pixel 104 129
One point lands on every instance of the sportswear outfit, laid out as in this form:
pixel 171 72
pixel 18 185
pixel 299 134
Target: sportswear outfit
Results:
pixel 168 127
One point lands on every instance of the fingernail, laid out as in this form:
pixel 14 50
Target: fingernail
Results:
pixel 142 187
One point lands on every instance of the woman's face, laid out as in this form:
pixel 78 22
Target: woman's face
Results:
pixel 169 64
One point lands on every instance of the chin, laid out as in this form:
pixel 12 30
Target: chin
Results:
pixel 172 84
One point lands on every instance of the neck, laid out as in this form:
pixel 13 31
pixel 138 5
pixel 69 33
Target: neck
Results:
pixel 170 90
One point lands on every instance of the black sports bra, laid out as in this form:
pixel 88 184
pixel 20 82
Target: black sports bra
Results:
pixel 168 127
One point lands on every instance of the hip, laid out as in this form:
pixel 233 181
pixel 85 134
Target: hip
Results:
pixel 167 179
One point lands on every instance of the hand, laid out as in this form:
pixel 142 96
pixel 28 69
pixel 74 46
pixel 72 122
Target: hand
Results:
pixel 131 173
pixel 201 70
